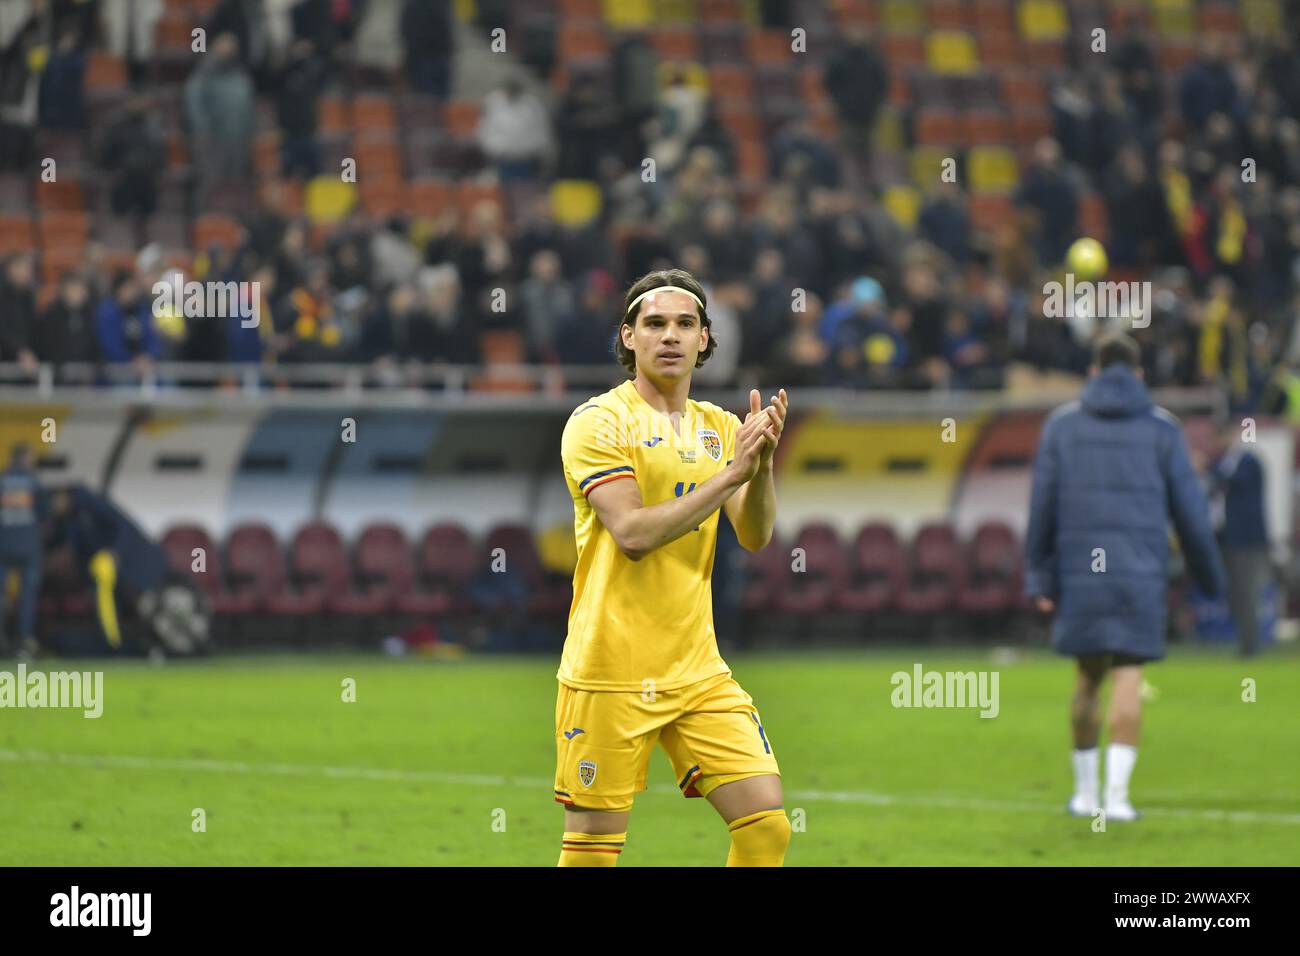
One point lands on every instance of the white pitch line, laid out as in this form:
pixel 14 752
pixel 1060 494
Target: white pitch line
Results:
pixel 537 783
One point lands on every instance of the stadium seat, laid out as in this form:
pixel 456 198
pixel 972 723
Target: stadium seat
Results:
pixel 444 567
pixel 723 43
pixel 582 40
pixel 902 16
pixel 180 543
pixel 935 571
pixel 318 573
pixel 384 571
pixel 674 44
pixel 1042 19
pixel 951 53
pixel 547 592
pixel 938 127
pixel 255 571
pixel 628 14
pixel 993 579
pixel 817 588
pixel 17 234
pixel 992 169
pixel 374 112
pixel 769 47
pixel 999 49
pixel 218 230
pixel 876 572
pixel 987 128
pixel 731 83
pixel 903 202
pixel 766 575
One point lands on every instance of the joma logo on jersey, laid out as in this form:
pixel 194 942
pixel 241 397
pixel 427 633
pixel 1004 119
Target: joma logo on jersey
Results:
pixel 711 442
pixel 587 772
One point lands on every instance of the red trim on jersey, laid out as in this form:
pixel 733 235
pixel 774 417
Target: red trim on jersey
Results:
pixel 596 484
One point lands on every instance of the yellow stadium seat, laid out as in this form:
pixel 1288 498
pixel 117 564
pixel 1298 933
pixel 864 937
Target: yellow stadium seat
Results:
pixel 557 550
pixel 466 11
pixel 888 134
pixel 1042 20
pixel 992 169
pixel 904 204
pixel 925 165
pixel 674 11
pixel 327 199
pixel 952 53
pixel 902 16
pixel 575 202
pixel 1262 17
pixel 1174 18
pixel 626 14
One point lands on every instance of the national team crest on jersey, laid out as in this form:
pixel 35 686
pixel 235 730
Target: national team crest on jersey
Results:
pixel 711 442
pixel 587 772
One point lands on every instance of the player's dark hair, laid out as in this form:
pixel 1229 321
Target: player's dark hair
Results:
pixel 1116 348
pixel 654 280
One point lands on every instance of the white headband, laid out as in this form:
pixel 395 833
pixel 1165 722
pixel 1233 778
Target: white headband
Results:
pixel 665 288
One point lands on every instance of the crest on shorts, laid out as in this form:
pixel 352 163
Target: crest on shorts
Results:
pixel 711 442
pixel 587 772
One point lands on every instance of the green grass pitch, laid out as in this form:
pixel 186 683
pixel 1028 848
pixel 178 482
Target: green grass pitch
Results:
pixel 451 763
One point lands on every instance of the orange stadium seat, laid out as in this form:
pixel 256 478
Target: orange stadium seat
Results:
pixel 741 120
pixel 675 44
pixel 731 83
pixel 17 234
pixel 1031 126
pixel 581 9
pixel 903 50
pixel 948 15
pixel 998 48
pixel 430 197
pixel 378 158
pixel 373 111
pixel 334 115
pixel 992 15
pixel 752 160
pixel 987 128
pixel 105 72
pixel 582 40
pixel 938 127
pixel 769 46
pixel 1023 88
pixel 989 213
pixel 68 229
pixel 461 117
pixel 217 230
pixel 856 11
pixel 63 195
pixel 382 198
pixel 718 11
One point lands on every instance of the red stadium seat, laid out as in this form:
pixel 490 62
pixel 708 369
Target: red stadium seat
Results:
pixel 766 575
pixel 445 564
pixel 318 572
pixel 255 570
pixel 547 591
pixel 817 588
pixel 935 572
pixel 876 573
pixel 385 569
pixel 179 544
pixel 993 580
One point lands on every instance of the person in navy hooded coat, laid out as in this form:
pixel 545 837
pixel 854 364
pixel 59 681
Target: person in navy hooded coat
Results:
pixel 1112 471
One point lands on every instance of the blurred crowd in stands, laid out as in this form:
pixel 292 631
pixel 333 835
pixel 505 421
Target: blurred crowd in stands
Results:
pixel 811 278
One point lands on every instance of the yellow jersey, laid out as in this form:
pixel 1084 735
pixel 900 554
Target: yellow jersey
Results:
pixel 642 625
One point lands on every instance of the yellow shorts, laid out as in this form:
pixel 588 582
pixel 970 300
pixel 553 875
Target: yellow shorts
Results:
pixel 603 740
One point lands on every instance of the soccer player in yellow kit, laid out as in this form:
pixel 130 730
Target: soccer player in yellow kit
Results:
pixel 641 663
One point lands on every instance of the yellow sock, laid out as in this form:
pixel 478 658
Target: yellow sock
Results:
pixel 591 849
pixel 759 839
pixel 103 568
